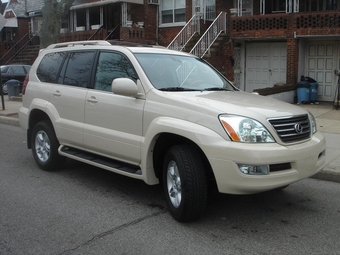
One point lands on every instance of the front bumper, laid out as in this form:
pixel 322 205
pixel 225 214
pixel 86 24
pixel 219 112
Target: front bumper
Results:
pixel 305 159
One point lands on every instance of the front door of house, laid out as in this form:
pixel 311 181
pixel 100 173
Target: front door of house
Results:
pixel 205 8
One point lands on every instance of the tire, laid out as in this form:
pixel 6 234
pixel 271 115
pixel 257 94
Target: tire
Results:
pixel 45 147
pixel 184 183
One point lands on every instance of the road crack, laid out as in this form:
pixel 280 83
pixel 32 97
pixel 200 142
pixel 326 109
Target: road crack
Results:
pixel 111 231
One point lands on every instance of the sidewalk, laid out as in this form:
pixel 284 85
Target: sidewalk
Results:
pixel 328 121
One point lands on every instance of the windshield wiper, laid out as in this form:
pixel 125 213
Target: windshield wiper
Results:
pixel 177 89
pixel 216 89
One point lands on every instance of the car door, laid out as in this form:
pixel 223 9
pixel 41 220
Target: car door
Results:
pixel 113 123
pixel 68 97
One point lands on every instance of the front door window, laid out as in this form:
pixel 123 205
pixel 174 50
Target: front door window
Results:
pixel 205 8
pixel 244 7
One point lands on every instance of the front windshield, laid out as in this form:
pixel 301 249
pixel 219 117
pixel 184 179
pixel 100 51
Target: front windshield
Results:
pixel 180 73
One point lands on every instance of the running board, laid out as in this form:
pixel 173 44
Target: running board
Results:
pixel 99 161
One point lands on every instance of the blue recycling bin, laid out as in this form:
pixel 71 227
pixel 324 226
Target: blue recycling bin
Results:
pixel 13 88
pixel 313 92
pixel 303 91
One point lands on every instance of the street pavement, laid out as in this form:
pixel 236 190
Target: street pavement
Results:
pixel 327 118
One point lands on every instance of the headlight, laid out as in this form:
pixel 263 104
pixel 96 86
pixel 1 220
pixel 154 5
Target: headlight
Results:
pixel 312 123
pixel 242 129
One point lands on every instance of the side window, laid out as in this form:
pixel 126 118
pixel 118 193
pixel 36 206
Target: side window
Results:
pixel 78 69
pixel 16 70
pixel 110 66
pixel 49 66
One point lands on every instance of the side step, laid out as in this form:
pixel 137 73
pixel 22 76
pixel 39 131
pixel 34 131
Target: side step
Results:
pixel 99 161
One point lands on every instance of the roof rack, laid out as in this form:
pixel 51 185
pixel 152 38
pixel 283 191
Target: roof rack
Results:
pixel 77 43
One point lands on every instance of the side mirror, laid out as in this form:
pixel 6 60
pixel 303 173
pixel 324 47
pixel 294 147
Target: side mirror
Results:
pixel 124 87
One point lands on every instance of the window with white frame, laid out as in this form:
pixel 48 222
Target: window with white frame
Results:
pixel 278 6
pixel 243 7
pixel 172 11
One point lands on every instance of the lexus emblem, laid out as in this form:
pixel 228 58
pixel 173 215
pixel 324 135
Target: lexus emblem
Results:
pixel 298 128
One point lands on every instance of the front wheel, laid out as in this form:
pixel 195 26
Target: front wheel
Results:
pixel 4 89
pixel 184 183
pixel 45 147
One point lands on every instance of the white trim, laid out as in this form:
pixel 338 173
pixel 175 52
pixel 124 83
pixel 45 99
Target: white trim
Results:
pixel 177 24
pixel 99 3
pixel 12 22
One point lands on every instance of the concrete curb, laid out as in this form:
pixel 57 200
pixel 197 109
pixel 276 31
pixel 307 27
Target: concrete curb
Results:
pixel 327 174
pixel 10 121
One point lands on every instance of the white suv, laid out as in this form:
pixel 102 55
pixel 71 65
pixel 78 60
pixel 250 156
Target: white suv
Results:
pixel 167 117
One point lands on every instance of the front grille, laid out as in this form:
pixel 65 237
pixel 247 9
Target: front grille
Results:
pixel 292 129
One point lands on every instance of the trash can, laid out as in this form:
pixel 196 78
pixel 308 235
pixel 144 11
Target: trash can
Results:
pixel 13 88
pixel 303 89
pixel 313 91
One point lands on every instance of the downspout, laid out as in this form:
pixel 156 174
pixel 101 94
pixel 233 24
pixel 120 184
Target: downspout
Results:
pixel 157 25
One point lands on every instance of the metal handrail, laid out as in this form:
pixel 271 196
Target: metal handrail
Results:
pixel 108 36
pixel 20 50
pixel 94 34
pixel 218 26
pixel 13 47
pixel 187 32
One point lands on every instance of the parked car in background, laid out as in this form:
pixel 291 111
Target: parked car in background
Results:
pixel 13 72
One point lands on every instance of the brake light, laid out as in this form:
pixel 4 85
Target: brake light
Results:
pixel 24 85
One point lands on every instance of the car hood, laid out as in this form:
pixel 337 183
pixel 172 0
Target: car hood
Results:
pixel 240 103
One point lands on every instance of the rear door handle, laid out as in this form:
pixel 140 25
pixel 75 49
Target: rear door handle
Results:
pixel 92 100
pixel 56 93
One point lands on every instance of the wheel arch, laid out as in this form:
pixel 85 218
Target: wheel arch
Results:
pixel 36 115
pixel 164 142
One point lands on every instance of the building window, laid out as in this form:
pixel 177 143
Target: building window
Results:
pixel 318 5
pixel 243 7
pixel 172 11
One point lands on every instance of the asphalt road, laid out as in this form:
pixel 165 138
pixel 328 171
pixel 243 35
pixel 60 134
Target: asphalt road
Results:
pixel 85 210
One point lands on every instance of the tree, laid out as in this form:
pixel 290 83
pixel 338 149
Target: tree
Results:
pixel 53 12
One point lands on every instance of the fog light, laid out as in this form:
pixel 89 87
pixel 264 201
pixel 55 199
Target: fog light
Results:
pixel 254 170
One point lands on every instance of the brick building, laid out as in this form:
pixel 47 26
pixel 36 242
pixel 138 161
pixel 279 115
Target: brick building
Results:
pixel 258 43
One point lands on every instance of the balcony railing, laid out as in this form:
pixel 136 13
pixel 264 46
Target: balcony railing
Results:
pixel 319 20
pixel 218 26
pixel 259 22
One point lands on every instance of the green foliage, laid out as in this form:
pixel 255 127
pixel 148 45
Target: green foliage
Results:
pixel 54 12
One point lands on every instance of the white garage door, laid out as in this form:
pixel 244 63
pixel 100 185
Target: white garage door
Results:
pixel 322 60
pixel 266 65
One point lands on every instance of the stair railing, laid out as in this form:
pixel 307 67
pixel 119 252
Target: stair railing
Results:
pixel 111 33
pixel 13 47
pixel 94 34
pixel 21 49
pixel 187 32
pixel 204 44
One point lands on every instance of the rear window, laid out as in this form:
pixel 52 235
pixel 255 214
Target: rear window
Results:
pixel 49 66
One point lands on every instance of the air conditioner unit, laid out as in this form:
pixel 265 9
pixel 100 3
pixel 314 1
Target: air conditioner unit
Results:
pixel 153 1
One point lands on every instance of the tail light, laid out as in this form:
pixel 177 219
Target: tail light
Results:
pixel 24 85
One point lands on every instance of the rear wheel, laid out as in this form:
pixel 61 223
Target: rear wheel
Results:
pixel 45 147
pixel 184 183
